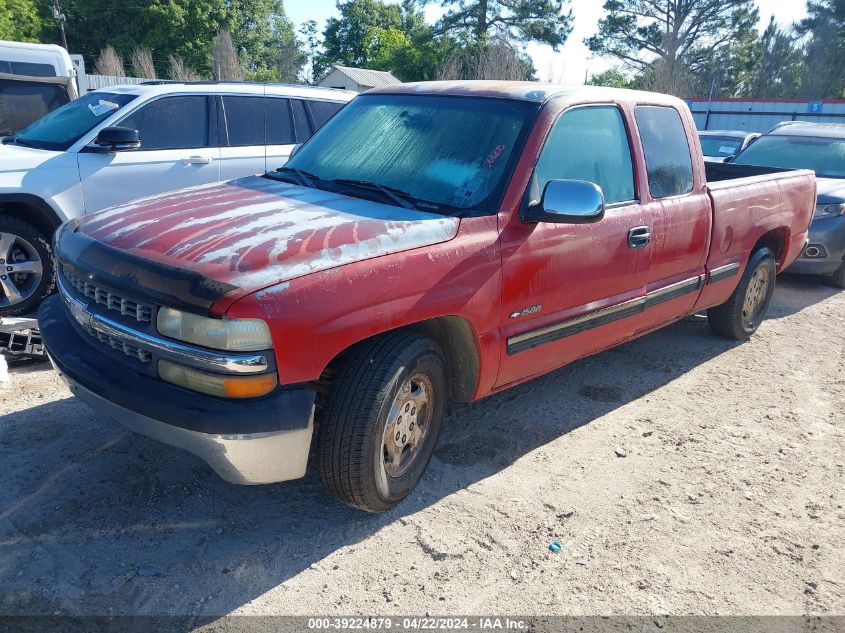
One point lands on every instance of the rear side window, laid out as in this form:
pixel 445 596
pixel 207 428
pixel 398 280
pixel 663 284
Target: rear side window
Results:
pixel 171 123
pixel 300 121
pixel 322 111
pixel 667 154
pixel 279 122
pixel 244 120
pixel 30 69
pixel 591 144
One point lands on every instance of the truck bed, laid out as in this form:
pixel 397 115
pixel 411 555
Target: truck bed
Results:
pixel 721 174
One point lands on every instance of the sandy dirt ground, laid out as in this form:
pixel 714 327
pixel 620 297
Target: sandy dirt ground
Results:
pixel 681 473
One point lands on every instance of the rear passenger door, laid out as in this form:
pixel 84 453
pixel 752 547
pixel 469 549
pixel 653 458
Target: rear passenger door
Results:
pixel 178 149
pixel 292 121
pixel 242 135
pixel 286 126
pixel 680 218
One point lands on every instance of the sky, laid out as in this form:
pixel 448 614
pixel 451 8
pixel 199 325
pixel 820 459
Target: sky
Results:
pixel 572 62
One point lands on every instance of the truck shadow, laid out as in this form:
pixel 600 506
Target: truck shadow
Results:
pixel 97 521
pixel 796 292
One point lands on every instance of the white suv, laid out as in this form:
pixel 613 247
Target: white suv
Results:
pixel 117 144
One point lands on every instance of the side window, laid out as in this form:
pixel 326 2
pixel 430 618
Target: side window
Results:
pixel 300 121
pixel 171 123
pixel 667 155
pixel 322 111
pixel 588 143
pixel 244 120
pixel 279 123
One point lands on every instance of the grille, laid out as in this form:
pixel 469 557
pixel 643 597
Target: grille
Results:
pixel 112 300
pixel 121 346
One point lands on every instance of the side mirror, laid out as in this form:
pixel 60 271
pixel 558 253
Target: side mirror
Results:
pixel 568 202
pixel 118 139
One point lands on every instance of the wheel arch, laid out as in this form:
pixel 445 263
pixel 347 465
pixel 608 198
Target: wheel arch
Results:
pixel 455 336
pixel 32 210
pixel 775 240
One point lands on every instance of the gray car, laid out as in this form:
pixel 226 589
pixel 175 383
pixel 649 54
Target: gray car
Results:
pixel 820 147
pixel 718 146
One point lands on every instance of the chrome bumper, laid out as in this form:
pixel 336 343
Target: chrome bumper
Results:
pixel 257 458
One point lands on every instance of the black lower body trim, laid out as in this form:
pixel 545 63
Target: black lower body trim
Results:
pixel 569 327
pixel 723 272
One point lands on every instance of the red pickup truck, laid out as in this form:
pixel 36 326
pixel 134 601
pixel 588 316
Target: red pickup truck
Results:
pixel 433 242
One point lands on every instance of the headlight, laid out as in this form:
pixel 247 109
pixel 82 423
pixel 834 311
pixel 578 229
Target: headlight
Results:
pixel 829 210
pixel 216 384
pixel 234 335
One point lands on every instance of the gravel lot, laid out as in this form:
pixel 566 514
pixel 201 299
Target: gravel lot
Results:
pixel 681 473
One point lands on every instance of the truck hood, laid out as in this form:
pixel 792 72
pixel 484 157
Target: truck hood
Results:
pixel 830 189
pixel 255 232
pixel 15 158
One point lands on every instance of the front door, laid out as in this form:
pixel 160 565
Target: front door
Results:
pixel 572 289
pixel 176 152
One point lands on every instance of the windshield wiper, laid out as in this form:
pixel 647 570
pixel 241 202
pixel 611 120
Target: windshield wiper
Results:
pixel 399 197
pixel 304 177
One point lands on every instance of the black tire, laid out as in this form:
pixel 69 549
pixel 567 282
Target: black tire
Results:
pixel 351 440
pixel 837 279
pixel 730 319
pixel 20 244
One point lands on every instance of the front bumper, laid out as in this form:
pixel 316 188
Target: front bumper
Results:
pixel 256 441
pixel 827 235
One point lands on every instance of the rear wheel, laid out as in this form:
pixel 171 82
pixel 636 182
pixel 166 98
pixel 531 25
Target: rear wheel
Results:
pixel 381 420
pixel 27 274
pixel 740 316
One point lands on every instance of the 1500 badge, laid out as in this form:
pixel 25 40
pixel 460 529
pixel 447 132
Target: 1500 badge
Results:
pixel 526 311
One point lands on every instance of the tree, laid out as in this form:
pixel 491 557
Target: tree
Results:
pixel 776 68
pixel 23 20
pixel 497 59
pixel 227 65
pixel 311 46
pixel 178 71
pixel 186 28
pixel 824 26
pixel 382 36
pixel 109 63
pixel 266 40
pixel 611 78
pixel 345 38
pixel 668 41
pixel 142 63
pixel 543 21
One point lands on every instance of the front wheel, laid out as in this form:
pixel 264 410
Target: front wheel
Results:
pixel 27 275
pixel 381 420
pixel 740 316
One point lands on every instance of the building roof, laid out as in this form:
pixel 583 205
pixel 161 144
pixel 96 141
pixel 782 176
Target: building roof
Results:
pixel 531 91
pixel 367 77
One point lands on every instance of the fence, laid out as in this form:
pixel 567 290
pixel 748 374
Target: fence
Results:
pixel 88 83
pixel 760 115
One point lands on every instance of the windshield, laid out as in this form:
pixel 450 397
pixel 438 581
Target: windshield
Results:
pixel 825 156
pixel 454 152
pixel 720 146
pixel 61 128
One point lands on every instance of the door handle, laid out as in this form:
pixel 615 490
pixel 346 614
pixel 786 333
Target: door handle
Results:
pixel 196 160
pixel 639 236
